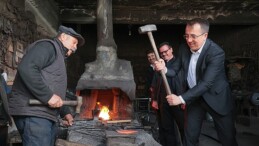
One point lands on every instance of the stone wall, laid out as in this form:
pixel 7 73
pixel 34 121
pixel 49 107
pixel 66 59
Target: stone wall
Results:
pixel 18 28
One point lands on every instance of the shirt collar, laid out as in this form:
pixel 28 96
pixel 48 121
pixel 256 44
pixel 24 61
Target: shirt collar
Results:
pixel 199 51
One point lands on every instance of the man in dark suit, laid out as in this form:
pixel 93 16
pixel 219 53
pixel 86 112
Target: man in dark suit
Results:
pixel 167 115
pixel 150 71
pixel 5 118
pixel 202 63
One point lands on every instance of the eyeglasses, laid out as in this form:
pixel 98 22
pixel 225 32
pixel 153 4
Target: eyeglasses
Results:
pixel 192 36
pixel 164 51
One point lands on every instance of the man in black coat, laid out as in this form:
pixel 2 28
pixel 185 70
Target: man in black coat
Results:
pixel 150 71
pixel 5 119
pixel 202 62
pixel 166 114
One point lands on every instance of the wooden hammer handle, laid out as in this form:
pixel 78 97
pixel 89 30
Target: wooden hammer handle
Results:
pixel 65 102
pixel 77 103
pixel 162 72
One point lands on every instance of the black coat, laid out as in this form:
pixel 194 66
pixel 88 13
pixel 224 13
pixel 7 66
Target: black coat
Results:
pixel 171 75
pixel 212 84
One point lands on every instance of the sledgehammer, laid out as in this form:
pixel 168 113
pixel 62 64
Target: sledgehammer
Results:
pixel 148 29
pixel 77 103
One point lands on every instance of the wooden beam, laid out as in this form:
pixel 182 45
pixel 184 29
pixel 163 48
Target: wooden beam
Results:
pixel 147 16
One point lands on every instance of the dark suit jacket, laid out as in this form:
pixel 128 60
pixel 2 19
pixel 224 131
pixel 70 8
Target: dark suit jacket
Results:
pixel 149 79
pixel 158 84
pixel 212 84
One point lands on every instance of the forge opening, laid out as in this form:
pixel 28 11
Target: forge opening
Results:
pixel 119 104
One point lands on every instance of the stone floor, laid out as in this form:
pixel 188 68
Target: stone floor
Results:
pixel 247 134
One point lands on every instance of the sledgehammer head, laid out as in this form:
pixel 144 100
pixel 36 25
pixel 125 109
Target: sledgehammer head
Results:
pixel 147 28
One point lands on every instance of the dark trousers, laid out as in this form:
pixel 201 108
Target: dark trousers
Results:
pixel 3 135
pixel 169 116
pixel 36 131
pixel 224 124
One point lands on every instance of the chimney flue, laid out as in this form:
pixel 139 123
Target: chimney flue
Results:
pixel 107 71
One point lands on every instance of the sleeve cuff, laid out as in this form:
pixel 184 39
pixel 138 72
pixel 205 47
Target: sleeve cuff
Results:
pixel 165 70
pixel 64 110
pixel 181 98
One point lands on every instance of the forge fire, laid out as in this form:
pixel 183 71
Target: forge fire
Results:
pixel 114 102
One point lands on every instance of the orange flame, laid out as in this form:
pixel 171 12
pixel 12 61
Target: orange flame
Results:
pixel 104 113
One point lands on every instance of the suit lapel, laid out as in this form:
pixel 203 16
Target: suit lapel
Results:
pixel 186 64
pixel 201 58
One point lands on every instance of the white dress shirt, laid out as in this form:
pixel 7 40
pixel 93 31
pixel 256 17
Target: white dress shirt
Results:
pixel 191 78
